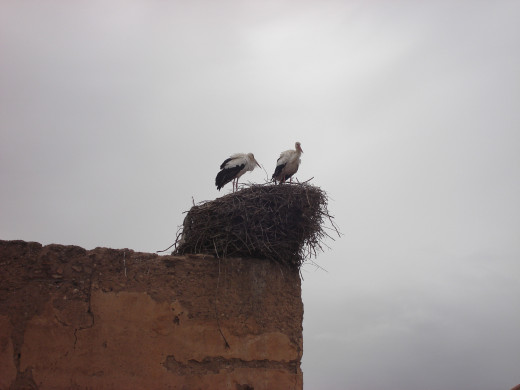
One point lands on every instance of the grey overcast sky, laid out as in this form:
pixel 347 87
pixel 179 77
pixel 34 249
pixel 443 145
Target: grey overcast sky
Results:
pixel 115 116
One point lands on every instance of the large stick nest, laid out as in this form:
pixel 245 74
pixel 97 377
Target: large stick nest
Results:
pixel 284 223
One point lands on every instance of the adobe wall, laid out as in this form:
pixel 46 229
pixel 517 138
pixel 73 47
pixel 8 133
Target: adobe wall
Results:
pixel 118 319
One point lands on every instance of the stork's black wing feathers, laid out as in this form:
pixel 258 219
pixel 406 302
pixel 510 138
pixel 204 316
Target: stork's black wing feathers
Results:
pixel 225 162
pixel 226 175
pixel 278 171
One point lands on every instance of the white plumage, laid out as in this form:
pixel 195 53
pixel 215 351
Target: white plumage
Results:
pixel 234 167
pixel 287 164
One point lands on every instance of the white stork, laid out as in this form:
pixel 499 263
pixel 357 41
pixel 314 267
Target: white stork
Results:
pixel 234 167
pixel 287 164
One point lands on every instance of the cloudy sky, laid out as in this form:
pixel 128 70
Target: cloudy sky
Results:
pixel 115 115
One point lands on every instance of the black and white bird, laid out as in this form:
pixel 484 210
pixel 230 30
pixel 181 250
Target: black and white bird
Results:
pixel 234 167
pixel 287 164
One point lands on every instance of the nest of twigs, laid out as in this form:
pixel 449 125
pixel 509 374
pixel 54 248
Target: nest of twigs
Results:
pixel 284 223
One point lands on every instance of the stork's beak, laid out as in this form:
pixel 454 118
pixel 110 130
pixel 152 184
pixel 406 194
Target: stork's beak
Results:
pixel 258 164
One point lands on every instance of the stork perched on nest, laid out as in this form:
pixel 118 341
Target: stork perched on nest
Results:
pixel 287 164
pixel 234 167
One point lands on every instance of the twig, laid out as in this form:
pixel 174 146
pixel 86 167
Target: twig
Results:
pixel 166 248
pixel 266 174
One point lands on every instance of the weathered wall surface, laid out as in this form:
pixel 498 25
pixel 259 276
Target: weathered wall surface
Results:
pixel 113 319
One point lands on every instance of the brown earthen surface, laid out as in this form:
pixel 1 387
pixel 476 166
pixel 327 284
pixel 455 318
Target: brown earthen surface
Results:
pixel 118 319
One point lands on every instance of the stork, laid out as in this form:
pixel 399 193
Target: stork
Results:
pixel 287 164
pixel 234 167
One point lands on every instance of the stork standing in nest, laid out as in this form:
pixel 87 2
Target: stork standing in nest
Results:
pixel 234 167
pixel 287 164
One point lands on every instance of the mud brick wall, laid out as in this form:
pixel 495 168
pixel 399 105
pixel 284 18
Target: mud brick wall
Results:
pixel 72 318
